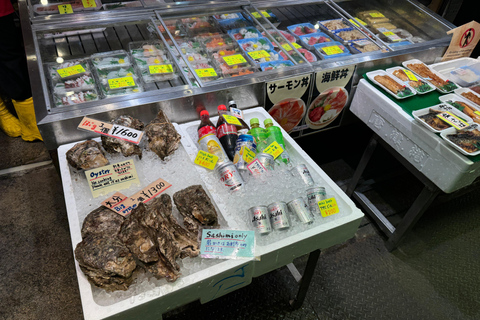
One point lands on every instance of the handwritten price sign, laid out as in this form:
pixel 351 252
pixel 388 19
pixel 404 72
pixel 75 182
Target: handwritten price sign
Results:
pixel 97 126
pixel 125 133
pixel 274 149
pixel 452 120
pixel 206 160
pixel 328 207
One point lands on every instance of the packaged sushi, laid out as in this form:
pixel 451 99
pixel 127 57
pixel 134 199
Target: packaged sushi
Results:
pixel 153 61
pixel 302 29
pixel 217 43
pixel 111 59
pixel 207 72
pixel 310 40
pixel 119 81
pixel 259 50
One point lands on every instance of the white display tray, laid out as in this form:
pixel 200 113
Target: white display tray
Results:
pixel 459 92
pixel 203 285
pixel 372 74
pixel 439 107
pixel 449 131
pixel 426 151
pixel 443 77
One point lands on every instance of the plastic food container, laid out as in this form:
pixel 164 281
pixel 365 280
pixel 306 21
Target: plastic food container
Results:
pixel 275 35
pixel 236 72
pixel 206 72
pixel 334 24
pixel 373 16
pixel 349 35
pixel 259 50
pixel 268 14
pixel 217 43
pixel 235 60
pixel 195 26
pixel 466 76
pixel 468 136
pixel 153 62
pixel 75 6
pixel 310 40
pixel 229 21
pixel 439 108
pixel 275 65
pixel 329 50
pixel 302 29
pixel 190 45
pixel 119 81
pixel 462 104
pixel 403 93
pixel 112 59
pixel 419 85
pixel 362 46
pixel 244 33
pixel 309 56
pixel 436 79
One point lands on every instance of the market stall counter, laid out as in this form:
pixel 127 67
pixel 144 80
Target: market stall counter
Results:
pixel 199 278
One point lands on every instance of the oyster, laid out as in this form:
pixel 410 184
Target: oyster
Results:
pixel 195 206
pixel 106 262
pixel 114 145
pixel 102 221
pixel 86 155
pixel 163 139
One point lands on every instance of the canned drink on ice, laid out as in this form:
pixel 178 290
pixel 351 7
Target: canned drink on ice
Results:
pixel 302 171
pixel 278 215
pixel 314 195
pixel 210 143
pixel 266 160
pixel 260 220
pixel 247 141
pixel 229 175
pixel 300 208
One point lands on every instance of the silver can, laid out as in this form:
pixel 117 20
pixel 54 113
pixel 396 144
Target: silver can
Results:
pixel 278 215
pixel 314 195
pixel 266 160
pixel 302 171
pixel 210 143
pixel 229 175
pixel 300 208
pixel 260 220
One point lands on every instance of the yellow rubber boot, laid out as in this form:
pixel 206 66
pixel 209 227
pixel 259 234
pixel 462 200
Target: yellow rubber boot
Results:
pixel 28 122
pixel 8 123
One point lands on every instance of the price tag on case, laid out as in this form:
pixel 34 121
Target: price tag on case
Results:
pixel 118 83
pixel 234 59
pixel 274 149
pixel 376 15
pixel 259 54
pixel 71 71
pixel 206 160
pixel 332 50
pixel 410 75
pixel 65 8
pixel 163 68
pixel 89 4
pixel 232 120
pixel 354 21
pixel 257 15
pixel 453 120
pixel 125 133
pixel 205 73
pixel 328 207
pixel 287 47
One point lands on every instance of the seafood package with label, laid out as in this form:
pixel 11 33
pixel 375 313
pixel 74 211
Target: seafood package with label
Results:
pixel 440 117
pixel 391 84
pixel 112 59
pixel 333 49
pixel 312 39
pixel 275 65
pixel 407 77
pixel 361 46
pixel 302 29
pixel 259 50
pixel 244 33
pixel 195 26
pixel 462 104
pixel 275 35
pixel 153 61
pixel 442 84
pixel 349 35
pixel 74 5
pixel 217 43
pixel 119 81
pixel 309 56
pixel 335 25
pixel 467 140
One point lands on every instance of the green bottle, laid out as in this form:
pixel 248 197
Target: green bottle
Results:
pixel 276 134
pixel 260 134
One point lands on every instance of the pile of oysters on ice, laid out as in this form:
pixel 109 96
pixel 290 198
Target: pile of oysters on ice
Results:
pixel 114 248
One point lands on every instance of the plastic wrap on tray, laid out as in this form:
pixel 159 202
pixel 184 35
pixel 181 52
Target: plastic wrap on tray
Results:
pixel 119 81
pixel 329 50
pixel 275 35
pixel 234 60
pixel 466 75
pixel 112 59
pixel 309 56
pixel 195 26
pixel 265 66
pixel 442 84
pixel 259 50
pixel 153 61
pixel 190 45
pixel 334 24
pixel 373 17
pixel 302 29
pixel 309 40
pixel 73 5
pixel 364 45
pixel 175 27
pixel 267 14
pixel 407 77
pixel 391 84
pixel 207 72
pixel 349 35
pixel 229 21
pixel 244 33
pixel 217 43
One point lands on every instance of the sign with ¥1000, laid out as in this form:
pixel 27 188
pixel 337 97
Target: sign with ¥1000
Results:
pixel 160 68
pixel 453 120
pixel 274 149
pixel 227 244
pixel 234 59
pixel 65 8
pixel 111 177
pixel 71 71
pixel 232 120
pixel 206 160
pixel 328 207
pixel 258 54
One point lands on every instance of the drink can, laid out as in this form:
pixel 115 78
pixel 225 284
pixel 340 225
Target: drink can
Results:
pixel 260 220
pixel 300 208
pixel 278 215
pixel 247 141
pixel 229 175
pixel 314 195
pixel 266 160
pixel 210 143
pixel 302 171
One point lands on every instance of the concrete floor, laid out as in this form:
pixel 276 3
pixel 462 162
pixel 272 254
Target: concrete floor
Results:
pixel 434 274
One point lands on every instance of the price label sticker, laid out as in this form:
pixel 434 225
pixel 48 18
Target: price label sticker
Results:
pixel 125 133
pixel 453 120
pixel 256 168
pixel 236 112
pixel 89 4
pixel 259 54
pixel 118 83
pixel 234 59
pixel 163 68
pixel 274 149
pixel 392 36
pixel 247 154
pixel 357 21
pixel 296 45
pixel 206 160
pixel 376 15
pixel 328 207
pixel 71 71
pixel 205 73
pixel 114 200
pixel 257 15
pixel 331 50
pixel 97 126
pixel 65 8
pixel 287 47
pixel 232 120
pixel 477 113
pixel 410 75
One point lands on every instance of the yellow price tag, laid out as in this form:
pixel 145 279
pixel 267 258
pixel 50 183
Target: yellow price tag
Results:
pixel 247 154
pixel 453 120
pixel 328 207
pixel 89 3
pixel 162 68
pixel 205 73
pixel 410 75
pixel 234 59
pixel 286 47
pixel 259 54
pixel 332 50
pixel 257 15
pixel 376 15
pixel 477 113
pixel 297 46
pixel 65 8
pixel 232 120
pixel 389 33
pixel 206 160
pixel 354 21
pixel 274 149
pixel 118 83
pixel 71 71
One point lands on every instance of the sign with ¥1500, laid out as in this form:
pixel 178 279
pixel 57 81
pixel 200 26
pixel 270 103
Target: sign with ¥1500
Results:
pixel 112 177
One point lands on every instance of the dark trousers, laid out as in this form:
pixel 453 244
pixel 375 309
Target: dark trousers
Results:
pixel 14 81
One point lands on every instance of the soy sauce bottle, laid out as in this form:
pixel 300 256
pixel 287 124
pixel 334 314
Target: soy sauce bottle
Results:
pixel 226 133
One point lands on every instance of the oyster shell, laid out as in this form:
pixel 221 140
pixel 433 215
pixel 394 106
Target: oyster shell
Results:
pixel 163 139
pixel 114 145
pixel 102 221
pixel 86 155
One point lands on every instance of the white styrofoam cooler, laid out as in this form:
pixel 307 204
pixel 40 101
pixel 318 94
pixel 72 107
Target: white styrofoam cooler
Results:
pixel 205 285
pixel 425 150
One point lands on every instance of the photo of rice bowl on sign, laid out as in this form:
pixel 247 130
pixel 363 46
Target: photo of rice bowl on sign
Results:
pixel 288 113
pixel 326 107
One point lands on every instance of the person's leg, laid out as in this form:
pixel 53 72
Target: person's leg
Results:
pixel 8 123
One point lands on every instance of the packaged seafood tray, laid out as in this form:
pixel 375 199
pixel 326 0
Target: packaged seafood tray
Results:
pixel 217 55
pixel 232 61
pixel 302 29
pixel 408 78
pixel 259 50
pixel 122 5
pixel 333 49
pixel 147 295
pixel 470 95
pixel 174 26
pixel 309 40
pixel 362 46
pixel 197 25
pixel 217 43
pixel 392 36
pixel 229 21
pixel 391 84
pixel 335 25
pixel 244 33
pixel 429 117
pixel 236 72
pixel 349 35
pixel 153 61
pixel 462 104
pixel 275 35
pixel 373 17
pixel 119 81
pixel 306 55
pixel 188 45
pixel 74 5
pixel 466 76
pixel 433 77
pixel 466 141
pixel 265 66
pixel 267 14
pixel 207 72
pixel 111 59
